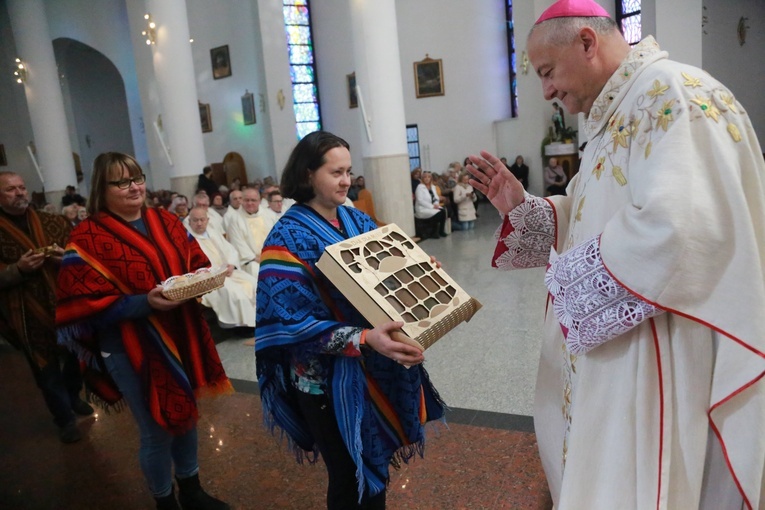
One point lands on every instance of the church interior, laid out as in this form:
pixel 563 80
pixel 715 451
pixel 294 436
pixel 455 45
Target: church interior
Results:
pixel 183 84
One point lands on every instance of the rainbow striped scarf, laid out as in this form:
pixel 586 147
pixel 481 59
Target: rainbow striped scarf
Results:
pixel 380 406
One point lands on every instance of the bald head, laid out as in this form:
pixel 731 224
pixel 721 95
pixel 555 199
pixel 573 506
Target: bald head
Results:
pixel 575 57
pixel 198 220
pixel 13 194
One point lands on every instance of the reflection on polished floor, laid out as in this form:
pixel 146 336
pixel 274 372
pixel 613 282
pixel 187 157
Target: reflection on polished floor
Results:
pixel 484 458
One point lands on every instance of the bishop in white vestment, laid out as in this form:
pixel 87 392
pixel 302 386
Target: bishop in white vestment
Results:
pixel 651 387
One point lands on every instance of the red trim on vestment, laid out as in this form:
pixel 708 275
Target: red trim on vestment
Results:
pixel 505 230
pixel 555 223
pixel 661 407
pixel 678 312
pixel 724 400
pixel 722 442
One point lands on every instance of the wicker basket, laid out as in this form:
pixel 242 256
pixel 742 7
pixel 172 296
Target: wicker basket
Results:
pixel 191 285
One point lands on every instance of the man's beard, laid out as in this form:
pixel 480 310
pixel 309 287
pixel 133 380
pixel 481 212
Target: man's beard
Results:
pixel 20 203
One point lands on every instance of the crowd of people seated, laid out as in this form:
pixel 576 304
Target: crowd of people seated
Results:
pixel 447 202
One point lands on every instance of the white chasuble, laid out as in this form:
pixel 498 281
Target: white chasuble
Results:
pixel 671 414
pixel 258 228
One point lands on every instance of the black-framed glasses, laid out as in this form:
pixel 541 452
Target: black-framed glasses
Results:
pixel 125 183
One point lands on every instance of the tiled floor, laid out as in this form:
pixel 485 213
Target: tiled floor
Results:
pixel 485 458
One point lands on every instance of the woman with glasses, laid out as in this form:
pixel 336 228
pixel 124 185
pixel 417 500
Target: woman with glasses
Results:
pixel 154 353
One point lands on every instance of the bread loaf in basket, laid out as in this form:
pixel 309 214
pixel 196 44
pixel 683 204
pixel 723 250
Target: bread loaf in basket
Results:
pixel 191 285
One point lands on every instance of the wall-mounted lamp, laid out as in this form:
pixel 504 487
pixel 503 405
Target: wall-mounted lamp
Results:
pixel 20 71
pixel 151 30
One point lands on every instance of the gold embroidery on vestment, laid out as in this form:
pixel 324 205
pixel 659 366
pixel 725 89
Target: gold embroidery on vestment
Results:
pixel 734 132
pixel 619 176
pixel 579 209
pixel 658 89
pixel 706 105
pixel 664 115
pixel 599 167
pixel 690 81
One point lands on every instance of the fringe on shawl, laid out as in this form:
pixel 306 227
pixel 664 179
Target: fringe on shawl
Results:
pixel 107 407
pixel 100 389
pixel 69 337
pixel 268 397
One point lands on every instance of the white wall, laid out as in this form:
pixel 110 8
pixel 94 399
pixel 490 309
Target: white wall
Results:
pixel 472 44
pixel 740 68
pixel 232 23
pixel 471 40
pixel 94 91
pixel 523 135
pixel 333 37
pixel 103 26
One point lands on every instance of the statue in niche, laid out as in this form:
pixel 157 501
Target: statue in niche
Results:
pixel 559 122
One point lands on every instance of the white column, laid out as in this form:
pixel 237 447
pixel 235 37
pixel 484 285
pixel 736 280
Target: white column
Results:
pixel 44 98
pixel 174 70
pixel 378 75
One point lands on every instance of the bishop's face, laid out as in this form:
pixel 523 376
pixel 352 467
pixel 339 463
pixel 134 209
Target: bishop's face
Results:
pixel 565 71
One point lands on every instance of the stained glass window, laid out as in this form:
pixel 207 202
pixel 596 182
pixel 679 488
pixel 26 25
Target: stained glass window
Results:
pixel 305 90
pixel 413 144
pixel 511 59
pixel 629 19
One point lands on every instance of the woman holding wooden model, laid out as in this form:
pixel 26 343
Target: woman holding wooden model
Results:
pixel 333 383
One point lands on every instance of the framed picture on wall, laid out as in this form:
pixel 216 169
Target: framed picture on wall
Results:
pixel 204 117
pixel 248 108
pixel 428 77
pixel 3 158
pixel 353 99
pixel 221 63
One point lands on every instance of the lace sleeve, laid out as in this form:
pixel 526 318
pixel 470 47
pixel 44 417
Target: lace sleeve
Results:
pixel 591 306
pixel 526 235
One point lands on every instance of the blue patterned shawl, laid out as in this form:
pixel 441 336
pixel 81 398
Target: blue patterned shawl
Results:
pixel 380 406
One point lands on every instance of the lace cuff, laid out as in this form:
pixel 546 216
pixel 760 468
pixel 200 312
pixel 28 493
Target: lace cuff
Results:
pixel 526 235
pixel 590 305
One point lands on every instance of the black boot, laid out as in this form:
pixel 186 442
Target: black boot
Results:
pixel 167 502
pixel 193 497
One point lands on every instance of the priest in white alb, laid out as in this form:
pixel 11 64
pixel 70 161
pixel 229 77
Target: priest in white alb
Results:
pixel 651 383
pixel 234 208
pixel 234 303
pixel 248 231
pixel 215 219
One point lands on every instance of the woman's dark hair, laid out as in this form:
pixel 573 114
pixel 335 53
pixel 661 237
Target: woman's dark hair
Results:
pixel 108 166
pixel 307 157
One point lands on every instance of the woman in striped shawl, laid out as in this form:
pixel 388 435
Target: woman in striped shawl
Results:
pixel 154 353
pixel 336 385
